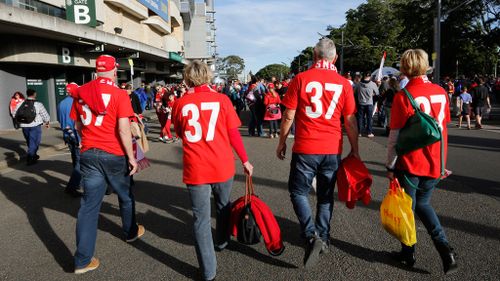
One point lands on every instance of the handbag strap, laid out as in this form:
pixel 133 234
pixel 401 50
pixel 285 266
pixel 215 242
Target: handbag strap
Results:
pixel 416 107
pixel 248 190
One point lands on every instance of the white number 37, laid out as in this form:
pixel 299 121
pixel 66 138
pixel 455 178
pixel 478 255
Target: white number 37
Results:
pixel 195 117
pixel 317 110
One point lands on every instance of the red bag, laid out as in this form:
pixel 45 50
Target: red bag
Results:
pixel 353 181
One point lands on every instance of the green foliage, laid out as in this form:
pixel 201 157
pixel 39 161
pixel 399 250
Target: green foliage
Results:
pixel 232 66
pixel 303 60
pixel 279 71
pixel 469 34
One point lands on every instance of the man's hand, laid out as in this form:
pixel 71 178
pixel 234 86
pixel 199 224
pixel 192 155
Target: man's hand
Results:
pixel 281 151
pixel 47 125
pixel 248 168
pixel 390 175
pixel 132 165
pixel 355 154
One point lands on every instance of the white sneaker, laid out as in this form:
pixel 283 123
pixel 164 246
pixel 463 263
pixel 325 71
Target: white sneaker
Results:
pixel 371 135
pixel 160 139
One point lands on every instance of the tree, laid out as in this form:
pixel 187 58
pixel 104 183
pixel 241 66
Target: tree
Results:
pixel 303 60
pixel 232 66
pixel 279 71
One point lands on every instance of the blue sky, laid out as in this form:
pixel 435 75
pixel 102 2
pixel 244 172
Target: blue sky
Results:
pixel 264 32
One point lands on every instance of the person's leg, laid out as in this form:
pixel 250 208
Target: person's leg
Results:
pixel 117 176
pixel 252 122
pixel 460 121
pixel 360 116
pixel 167 128
pixel 222 193
pixel 369 118
pixel 204 245
pixel 467 117
pixel 75 178
pixel 325 184
pixel 94 186
pixel 302 171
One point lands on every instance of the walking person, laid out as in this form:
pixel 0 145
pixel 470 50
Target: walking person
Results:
pixel 480 99
pixel 31 114
pixel 272 102
pixel 419 171
pixel 102 113
pixel 465 99
pixel 365 91
pixel 71 139
pixel 208 125
pixel 317 99
pixel 16 99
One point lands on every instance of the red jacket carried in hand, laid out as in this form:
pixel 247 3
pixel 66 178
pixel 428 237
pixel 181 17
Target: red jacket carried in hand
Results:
pixel 353 181
pixel 265 220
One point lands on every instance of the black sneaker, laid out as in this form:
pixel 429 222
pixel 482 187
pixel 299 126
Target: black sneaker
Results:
pixel 221 247
pixel 73 192
pixel 313 250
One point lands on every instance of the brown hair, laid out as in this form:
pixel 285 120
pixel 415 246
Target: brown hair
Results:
pixel 197 73
pixel 414 62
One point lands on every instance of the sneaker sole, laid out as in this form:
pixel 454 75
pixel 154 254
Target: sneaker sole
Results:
pixel 85 270
pixel 139 235
pixel 313 257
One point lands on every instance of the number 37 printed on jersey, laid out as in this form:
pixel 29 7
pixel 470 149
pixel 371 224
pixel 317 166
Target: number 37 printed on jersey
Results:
pixel 194 121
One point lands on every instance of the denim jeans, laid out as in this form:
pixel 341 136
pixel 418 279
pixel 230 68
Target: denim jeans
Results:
pixel 200 202
pixel 75 179
pixel 99 169
pixel 33 137
pixel 365 114
pixel 421 204
pixel 273 127
pixel 303 168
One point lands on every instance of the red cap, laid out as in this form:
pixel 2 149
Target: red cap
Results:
pixel 270 86
pixel 105 63
pixel 71 88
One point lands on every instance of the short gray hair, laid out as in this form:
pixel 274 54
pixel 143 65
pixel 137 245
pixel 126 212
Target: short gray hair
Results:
pixel 325 49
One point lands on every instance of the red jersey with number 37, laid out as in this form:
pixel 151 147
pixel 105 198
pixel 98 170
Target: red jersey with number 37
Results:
pixel 202 118
pixel 320 97
pixel 432 100
pixel 101 131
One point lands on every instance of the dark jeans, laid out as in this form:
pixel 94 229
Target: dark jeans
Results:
pixel 421 204
pixel 255 122
pixel 273 126
pixel 75 179
pixel 365 114
pixel 100 168
pixel 303 168
pixel 200 202
pixel 33 137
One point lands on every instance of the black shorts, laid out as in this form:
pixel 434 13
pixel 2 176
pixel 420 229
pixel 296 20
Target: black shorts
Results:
pixel 478 110
pixel 465 109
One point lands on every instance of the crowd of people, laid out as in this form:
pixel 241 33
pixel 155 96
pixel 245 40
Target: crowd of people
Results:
pixel 98 120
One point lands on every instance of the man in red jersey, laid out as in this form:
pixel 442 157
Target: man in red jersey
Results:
pixel 208 125
pixel 102 111
pixel 419 171
pixel 317 99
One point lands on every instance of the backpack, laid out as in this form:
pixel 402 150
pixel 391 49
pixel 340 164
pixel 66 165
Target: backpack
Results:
pixel 26 113
pixel 248 231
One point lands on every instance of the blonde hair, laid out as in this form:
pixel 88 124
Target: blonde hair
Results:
pixel 197 73
pixel 414 62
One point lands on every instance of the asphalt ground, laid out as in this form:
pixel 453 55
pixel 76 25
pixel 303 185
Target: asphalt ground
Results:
pixel 38 221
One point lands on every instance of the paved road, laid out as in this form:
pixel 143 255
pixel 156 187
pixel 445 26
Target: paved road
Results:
pixel 38 222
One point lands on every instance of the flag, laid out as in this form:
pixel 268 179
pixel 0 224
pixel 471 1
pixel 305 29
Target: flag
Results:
pixel 379 75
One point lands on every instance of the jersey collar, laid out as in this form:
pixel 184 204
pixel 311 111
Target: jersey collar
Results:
pixel 202 88
pixel 108 81
pixel 419 80
pixel 324 64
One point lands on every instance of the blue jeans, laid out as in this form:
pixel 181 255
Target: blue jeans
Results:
pixel 303 168
pixel 421 204
pixel 200 203
pixel 365 114
pixel 33 137
pixel 99 169
pixel 75 179
pixel 273 127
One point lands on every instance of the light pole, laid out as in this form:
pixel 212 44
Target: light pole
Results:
pixel 436 56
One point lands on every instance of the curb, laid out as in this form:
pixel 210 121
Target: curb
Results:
pixel 18 159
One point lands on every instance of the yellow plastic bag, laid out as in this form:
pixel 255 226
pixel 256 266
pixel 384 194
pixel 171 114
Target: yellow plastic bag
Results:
pixel 397 216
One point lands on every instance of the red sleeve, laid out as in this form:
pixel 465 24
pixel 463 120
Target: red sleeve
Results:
pixel 74 113
pixel 232 119
pixel 237 144
pixel 266 100
pixel 175 120
pixel 400 112
pixel 349 102
pixel 124 108
pixel 291 98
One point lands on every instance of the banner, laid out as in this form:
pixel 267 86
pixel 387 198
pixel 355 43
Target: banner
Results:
pixel 81 12
pixel 382 61
pixel 160 7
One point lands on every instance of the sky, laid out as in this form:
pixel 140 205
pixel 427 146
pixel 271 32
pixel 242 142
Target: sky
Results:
pixel 265 32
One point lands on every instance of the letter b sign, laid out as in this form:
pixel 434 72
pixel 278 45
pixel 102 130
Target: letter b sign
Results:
pixel 81 14
pixel 65 55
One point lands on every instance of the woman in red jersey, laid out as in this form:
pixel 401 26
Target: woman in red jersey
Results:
pixel 208 126
pixel 272 102
pixel 419 171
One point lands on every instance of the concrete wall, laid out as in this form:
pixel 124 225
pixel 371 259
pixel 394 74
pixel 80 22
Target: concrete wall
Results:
pixel 11 82
pixel 195 37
